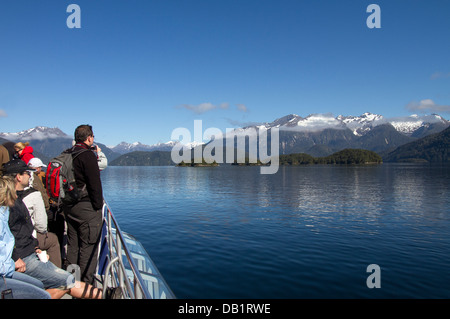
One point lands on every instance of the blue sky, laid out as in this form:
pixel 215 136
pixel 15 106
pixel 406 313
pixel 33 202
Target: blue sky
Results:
pixel 138 69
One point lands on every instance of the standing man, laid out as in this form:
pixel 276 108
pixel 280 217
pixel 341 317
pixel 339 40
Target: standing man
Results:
pixel 84 219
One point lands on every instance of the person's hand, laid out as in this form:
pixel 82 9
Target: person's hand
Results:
pixel 38 251
pixel 20 265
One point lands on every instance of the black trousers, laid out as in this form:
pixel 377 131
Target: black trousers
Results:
pixel 84 226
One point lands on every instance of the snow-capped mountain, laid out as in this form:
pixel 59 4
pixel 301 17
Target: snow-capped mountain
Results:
pixel 359 125
pixel 46 142
pixel 36 133
pixel 414 122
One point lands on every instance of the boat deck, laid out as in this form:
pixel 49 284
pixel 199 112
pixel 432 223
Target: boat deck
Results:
pixel 124 262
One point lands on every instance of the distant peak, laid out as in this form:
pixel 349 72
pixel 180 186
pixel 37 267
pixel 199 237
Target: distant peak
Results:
pixel 36 133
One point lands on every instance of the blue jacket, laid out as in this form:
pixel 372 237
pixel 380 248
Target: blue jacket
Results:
pixel 7 266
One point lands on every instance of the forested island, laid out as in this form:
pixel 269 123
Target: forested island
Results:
pixel 160 158
pixel 194 164
pixel 347 156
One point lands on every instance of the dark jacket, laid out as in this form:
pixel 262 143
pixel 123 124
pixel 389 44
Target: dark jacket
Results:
pixel 87 173
pixel 22 228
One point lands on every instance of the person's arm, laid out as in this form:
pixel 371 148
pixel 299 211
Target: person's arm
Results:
pixel 93 181
pixel 101 159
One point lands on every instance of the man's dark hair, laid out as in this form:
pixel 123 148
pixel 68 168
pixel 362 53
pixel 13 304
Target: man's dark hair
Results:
pixel 82 132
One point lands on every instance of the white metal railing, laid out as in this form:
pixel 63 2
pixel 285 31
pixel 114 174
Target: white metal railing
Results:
pixel 123 262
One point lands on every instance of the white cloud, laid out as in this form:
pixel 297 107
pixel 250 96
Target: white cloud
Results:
pixel 242 107
pixel 315 123
pixel 439 75
pixel 427 105
pixel 3 113
pixel 204 107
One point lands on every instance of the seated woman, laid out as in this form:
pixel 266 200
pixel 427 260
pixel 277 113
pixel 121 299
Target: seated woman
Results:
pixel 13 285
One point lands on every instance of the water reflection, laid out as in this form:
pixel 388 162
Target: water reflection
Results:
pixel 359 192
pixel 309 226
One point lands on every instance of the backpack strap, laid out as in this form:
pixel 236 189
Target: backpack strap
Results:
pixel 75 153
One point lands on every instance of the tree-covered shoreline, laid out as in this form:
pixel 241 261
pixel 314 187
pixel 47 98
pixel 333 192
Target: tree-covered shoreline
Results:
pixel 347 156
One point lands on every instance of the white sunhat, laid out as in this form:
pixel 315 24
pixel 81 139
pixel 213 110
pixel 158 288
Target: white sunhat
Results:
pixel 36 162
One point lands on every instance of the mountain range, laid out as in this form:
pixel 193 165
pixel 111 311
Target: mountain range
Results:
pixel 359 125
pixel 48 142
pixel 316 134
pixel 322 134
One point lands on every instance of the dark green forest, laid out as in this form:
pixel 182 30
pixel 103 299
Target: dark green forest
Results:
pixel 140 158
pixel 347 156
pixel 433 148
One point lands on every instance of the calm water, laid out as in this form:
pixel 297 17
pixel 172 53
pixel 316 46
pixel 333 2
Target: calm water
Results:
pixel 305 232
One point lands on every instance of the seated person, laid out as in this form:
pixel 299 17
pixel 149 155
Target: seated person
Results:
pixel 48 241
pixel 15 285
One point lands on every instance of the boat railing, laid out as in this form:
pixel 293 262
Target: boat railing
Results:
pixel 123 262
